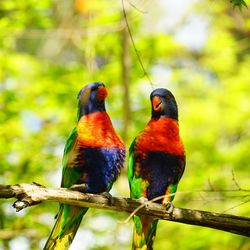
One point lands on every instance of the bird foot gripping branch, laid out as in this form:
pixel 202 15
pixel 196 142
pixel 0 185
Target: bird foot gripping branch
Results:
pixel 79 187
pixel 144 201
pixel 169 207
pixel 109 197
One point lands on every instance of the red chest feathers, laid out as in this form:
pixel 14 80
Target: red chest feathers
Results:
pixel 96 130
pixel 161 135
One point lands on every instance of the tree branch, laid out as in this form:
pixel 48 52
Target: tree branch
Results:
pixel 31 194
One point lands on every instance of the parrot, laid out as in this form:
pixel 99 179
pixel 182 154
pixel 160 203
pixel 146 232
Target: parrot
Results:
pixel 93 158
pixel 156 163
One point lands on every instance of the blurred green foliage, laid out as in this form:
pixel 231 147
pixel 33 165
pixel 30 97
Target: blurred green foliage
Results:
pixel 239 3
pixel 49 49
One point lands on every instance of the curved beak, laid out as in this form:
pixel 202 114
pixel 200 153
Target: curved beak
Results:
pixel 157 103
pixel 102 93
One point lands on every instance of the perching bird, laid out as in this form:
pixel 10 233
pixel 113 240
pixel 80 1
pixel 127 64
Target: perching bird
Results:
pixel 156 163
pixel 93 156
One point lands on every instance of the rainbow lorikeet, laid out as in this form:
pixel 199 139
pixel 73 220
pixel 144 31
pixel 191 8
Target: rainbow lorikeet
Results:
pixel 93 156
pixel 156 163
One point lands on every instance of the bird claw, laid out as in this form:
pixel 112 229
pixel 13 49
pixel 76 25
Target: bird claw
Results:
pixel 169 207
pixel 79 187
pixel 144 201
pixel 106 194
pixel 109 197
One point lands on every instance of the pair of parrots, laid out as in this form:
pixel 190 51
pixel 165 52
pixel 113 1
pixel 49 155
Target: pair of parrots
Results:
pixel 94 155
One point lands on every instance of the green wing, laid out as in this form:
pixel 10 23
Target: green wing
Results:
pixel 144 227
pixel 69 145
pixel 138 185
pixel 69 174
pixel 69 217
pixel 131 163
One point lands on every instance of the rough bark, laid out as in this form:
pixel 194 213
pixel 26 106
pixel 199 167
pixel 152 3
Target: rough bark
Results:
pixel 31 194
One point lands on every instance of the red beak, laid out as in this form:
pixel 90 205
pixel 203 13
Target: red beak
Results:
pixel 102 93
pixel 156 101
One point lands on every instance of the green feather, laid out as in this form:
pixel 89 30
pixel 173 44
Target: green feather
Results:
pixel 138 186
pixel 131 162
pixel 69 173
pixel 144 232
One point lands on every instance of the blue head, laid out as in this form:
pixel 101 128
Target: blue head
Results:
pixel 163 104
pixel 91 99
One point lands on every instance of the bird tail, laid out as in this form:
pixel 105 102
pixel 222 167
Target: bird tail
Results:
pixel 144 232
pixel 67 222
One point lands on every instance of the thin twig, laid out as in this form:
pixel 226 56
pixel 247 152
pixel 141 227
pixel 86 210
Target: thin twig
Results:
pixel 238 205
pixel 210 184
pixel 234 180
pixel 144 204
pixel 134 46
pixel 141 11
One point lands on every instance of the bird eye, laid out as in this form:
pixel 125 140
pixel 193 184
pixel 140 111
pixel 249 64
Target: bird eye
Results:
pixel 168 97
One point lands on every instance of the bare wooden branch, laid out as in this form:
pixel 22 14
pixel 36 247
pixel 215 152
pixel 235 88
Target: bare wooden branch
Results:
pixel 31 194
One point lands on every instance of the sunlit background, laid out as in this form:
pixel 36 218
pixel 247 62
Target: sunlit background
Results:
pixel 200 50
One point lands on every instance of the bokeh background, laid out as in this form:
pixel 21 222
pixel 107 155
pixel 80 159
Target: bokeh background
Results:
pixel 200 50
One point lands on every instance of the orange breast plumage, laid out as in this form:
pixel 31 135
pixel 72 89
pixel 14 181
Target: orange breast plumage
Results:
pixel 96 130
pixel 161 135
